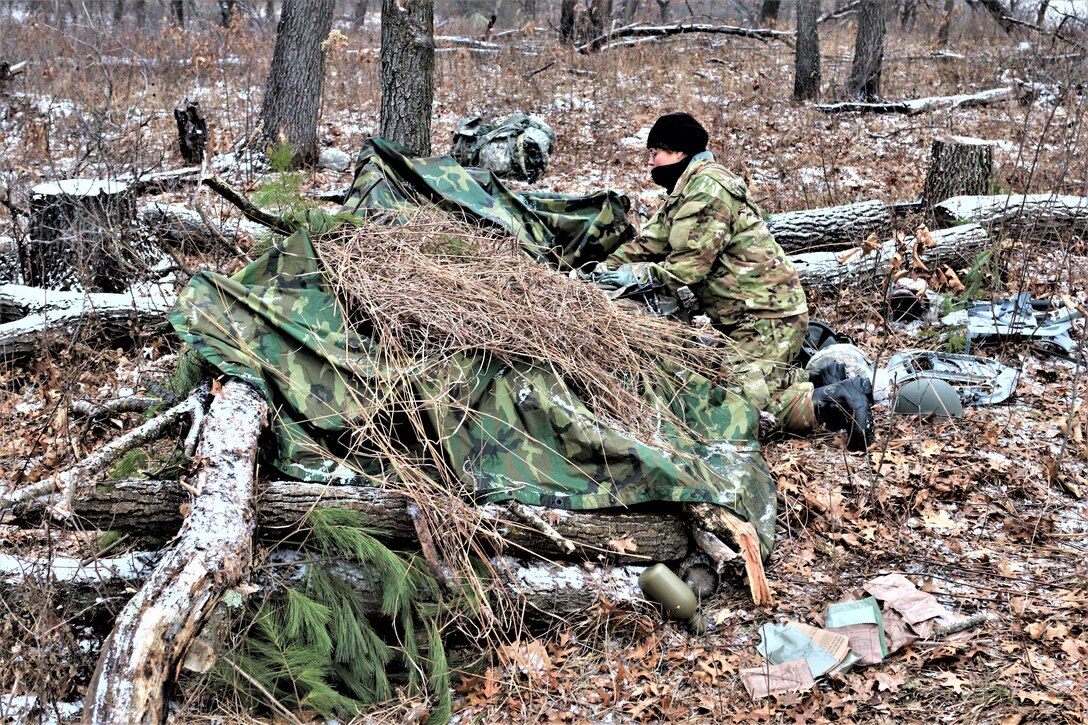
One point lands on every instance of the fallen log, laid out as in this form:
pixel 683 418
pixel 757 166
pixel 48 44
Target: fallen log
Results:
pixel 153 508
pixel 834 227
pixel 829 271
pixel 924 105
pixel 180 227
pixel 661 31
pixel 212 553
pixel 1031 213
pixel 28 313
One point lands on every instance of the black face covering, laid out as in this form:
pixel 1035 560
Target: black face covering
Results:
pixel 669 174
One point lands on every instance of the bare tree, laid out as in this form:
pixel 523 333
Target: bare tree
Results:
pixel 1040 12
pixel 806 79
pixel 358 18
pixel 908 11
pixel 999 12
pixel 768 11
pixel 226 12
pixel 408 73
pixel 864 79
pixel 663 8
pixel 293 97
pixel 946 22
pixel 630 9
pixel 566 21
pixel 177 12
pixel 598 14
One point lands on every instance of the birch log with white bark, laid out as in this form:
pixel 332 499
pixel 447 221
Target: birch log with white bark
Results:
pixel 833 227
pixel 829 271
pixel 30 312
pixel 213 552
pixel 1033 213
pixel 152 508
pixel 913 107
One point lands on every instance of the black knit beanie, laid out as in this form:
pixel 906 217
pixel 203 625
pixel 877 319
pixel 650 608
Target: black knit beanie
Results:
pixel 677 132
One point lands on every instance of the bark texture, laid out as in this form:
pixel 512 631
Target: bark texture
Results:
pixel 1031 214
pixel 292 99
pixel 864 80
pixel 833 227
pixel 806 77
pixel 28 314
pixel 212 553
pixel 958 166
pixel 408 73
pixel 830 271
pixel 153 508
pixel 81 236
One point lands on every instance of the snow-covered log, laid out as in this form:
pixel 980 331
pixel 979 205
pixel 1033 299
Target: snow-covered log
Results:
pixel 29 312
pixel 923 105
pixel 213 552
pixel 660 31
pixel 833 227
pixel 1031 213
pixel 832 270
pixel 142 507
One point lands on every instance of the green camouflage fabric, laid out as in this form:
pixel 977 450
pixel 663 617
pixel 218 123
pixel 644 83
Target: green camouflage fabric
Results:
pixel 516 147
pixel 764 361
pixel 710 236
pixel 509 432
pixel 560 230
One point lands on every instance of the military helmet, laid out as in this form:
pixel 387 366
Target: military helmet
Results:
pixel 856 362
pixel 928 396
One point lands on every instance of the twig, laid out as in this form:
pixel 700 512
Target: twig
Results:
pixel 248 208
pixel 106 549
pixel 426 543
pixel 543 527
pixel 279 707
pixel 66 481
pixel 540 70
pixel 975 620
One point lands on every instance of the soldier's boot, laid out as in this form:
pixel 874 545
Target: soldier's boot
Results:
pixel 847 406
pixel 832 372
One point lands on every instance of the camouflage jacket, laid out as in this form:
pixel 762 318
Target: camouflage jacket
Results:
pixel 710 236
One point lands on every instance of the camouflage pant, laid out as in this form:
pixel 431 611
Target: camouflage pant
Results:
pixel 762 363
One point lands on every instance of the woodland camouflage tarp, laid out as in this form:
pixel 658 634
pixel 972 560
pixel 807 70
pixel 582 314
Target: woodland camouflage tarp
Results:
pixel 508 432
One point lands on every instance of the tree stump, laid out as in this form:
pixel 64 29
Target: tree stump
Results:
pixel 959 166
pixel 192 131
pixel 81 236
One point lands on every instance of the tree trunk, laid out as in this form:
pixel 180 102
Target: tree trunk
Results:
pixel 806 79
pixel 834 227
pixel 663 9
pixel 152 508
pixel 1031 216
pixel 1040 12
pixel 946 23
pixel 177 12
pixel 999 13
pixel 768 11
pixel 832 271
pixel 630 9
pixel 358 17
pixel 292 99
pixel 566 21
pixel 118 11
pixel 958 166
pixel 907 14
pixel 213 553
pixel 408 73
pixel 78 233
pixel 140 10
pixel 226 12
pixel 864 80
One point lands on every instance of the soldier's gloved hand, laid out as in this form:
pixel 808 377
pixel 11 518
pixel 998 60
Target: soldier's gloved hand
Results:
pixel 589 271
pixel 626 275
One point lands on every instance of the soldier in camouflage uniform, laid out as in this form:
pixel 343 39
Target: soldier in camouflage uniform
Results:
pixel 710 236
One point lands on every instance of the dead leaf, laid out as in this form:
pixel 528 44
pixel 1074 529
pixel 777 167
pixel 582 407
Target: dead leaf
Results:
pixel 953 681
pixel 623 546
pixel 889 681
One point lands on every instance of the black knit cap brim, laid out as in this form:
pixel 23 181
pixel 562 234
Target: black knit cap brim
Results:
pixel 678 132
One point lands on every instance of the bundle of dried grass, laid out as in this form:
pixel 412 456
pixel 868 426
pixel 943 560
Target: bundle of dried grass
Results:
pixel 430 286
pixel 437 285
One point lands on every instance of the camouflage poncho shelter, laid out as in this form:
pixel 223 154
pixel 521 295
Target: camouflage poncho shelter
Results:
pixel 510 432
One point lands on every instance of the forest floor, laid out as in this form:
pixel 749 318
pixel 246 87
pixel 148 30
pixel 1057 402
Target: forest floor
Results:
pixel 984 511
